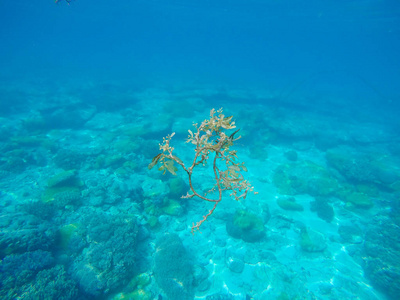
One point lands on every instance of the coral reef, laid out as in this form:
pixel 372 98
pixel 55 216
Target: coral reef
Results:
pixel 25 233
pixel 173 268
pixel 382 247
pixel 304 177
pixel 108 254
pixel 82 217
pixel 31 275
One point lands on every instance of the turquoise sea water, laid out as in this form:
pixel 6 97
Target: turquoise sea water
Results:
pixel 88 91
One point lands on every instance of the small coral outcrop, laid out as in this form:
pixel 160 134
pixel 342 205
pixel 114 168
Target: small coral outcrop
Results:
pixel 246 225
pixel 173 268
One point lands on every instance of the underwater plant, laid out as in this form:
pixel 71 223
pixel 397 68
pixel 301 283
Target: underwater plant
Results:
pixel 210 139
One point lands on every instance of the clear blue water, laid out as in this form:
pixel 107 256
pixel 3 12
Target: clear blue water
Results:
pixel 88 90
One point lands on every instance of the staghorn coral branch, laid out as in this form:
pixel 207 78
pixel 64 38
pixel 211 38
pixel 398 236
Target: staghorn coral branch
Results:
pixel 208 138
pixel 198 224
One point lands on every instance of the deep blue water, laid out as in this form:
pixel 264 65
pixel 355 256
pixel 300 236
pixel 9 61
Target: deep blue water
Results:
pixel 88 90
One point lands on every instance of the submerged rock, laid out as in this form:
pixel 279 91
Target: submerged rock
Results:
pixel 312 241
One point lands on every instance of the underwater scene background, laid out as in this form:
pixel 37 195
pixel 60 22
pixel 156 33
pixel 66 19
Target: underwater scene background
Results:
pixel 88 91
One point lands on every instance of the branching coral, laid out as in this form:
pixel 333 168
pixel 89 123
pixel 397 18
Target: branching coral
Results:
pixel 209 139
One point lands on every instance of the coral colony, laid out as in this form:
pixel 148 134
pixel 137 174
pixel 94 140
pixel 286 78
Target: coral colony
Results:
pixel 210 139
